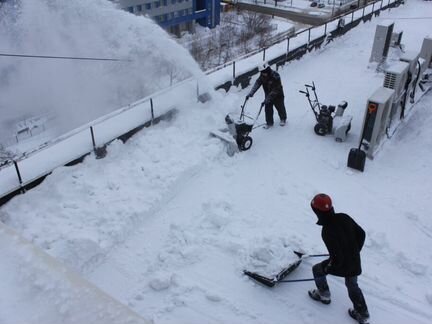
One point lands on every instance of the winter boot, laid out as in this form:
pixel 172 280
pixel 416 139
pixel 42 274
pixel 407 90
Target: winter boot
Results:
pixel 282 122
pixel 316 295
pixel 267 126
pixel 361 318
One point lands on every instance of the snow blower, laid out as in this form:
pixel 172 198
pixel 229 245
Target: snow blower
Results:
pixel 236 134
pixel 328 120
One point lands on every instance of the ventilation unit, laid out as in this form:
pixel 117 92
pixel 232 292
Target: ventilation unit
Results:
pixel 381 44
pixel 415 70
pixel 376 119
pixel 411 57
pixel 396 77
pixel 426 51
pixel 396 39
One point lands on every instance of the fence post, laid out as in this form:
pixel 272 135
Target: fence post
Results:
pixel 93 138
pixel 100 152
pixel 151 111
pixel 288 41
pixel 373 7
pixel 264 54
pixel 352 16
pixel 309 33
pixel 19 176
pixel 363 11
pixel 325 29
pixel 234 70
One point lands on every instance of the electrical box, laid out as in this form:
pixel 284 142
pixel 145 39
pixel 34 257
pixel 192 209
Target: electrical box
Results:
pixel 426 51
pixel 381 44
pixel 411 57
pixel 396 39
pixel 376 119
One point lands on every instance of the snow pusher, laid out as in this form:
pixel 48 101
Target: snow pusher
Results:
pixel 328 120
pixel 236 134
pixel 273 280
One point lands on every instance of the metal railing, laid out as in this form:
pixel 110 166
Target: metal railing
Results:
pixel 332 27
pixel 20 172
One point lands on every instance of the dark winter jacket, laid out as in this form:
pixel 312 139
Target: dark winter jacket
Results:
pixel 344 239
pixel 271 84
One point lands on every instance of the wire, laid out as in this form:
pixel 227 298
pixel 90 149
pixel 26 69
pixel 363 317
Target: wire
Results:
pixel 63 57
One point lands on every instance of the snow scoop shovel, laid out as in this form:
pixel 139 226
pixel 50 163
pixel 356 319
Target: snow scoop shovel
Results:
pixel 272 281
pixel 356 156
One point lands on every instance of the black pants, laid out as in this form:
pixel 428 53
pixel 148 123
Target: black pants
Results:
pixel 279 104
pixel 354 291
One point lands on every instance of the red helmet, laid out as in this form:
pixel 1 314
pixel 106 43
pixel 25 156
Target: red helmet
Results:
pixel 322 202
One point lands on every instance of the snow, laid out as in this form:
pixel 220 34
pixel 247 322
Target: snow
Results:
pixel 166 222
pixel 75 92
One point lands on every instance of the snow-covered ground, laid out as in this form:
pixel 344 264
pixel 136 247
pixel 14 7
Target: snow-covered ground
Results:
pixel 167 221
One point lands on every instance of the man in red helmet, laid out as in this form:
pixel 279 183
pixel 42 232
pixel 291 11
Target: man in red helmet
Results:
pixel 344 239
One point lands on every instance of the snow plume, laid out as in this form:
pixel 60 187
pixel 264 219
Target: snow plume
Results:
pixel 77 91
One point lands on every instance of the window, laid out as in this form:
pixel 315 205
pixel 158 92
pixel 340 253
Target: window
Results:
pixel 139 8
pixel 130 9
pixel 148 6
pixel 157 4
pixel 165 2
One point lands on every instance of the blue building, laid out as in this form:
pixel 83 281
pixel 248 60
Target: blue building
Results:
pixel 176 15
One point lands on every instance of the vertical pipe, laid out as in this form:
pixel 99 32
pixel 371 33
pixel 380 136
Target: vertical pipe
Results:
pixel 234 71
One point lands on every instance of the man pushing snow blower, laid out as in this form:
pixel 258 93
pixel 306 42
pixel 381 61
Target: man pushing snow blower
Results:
pixel 271 82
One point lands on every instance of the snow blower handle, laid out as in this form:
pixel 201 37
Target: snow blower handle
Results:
pixel 311 86
pixel 304 92
pixel 243 107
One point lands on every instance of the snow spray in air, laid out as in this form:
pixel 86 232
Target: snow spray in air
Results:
pixel 78 91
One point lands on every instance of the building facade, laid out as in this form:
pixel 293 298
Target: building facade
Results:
pixel 176 15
